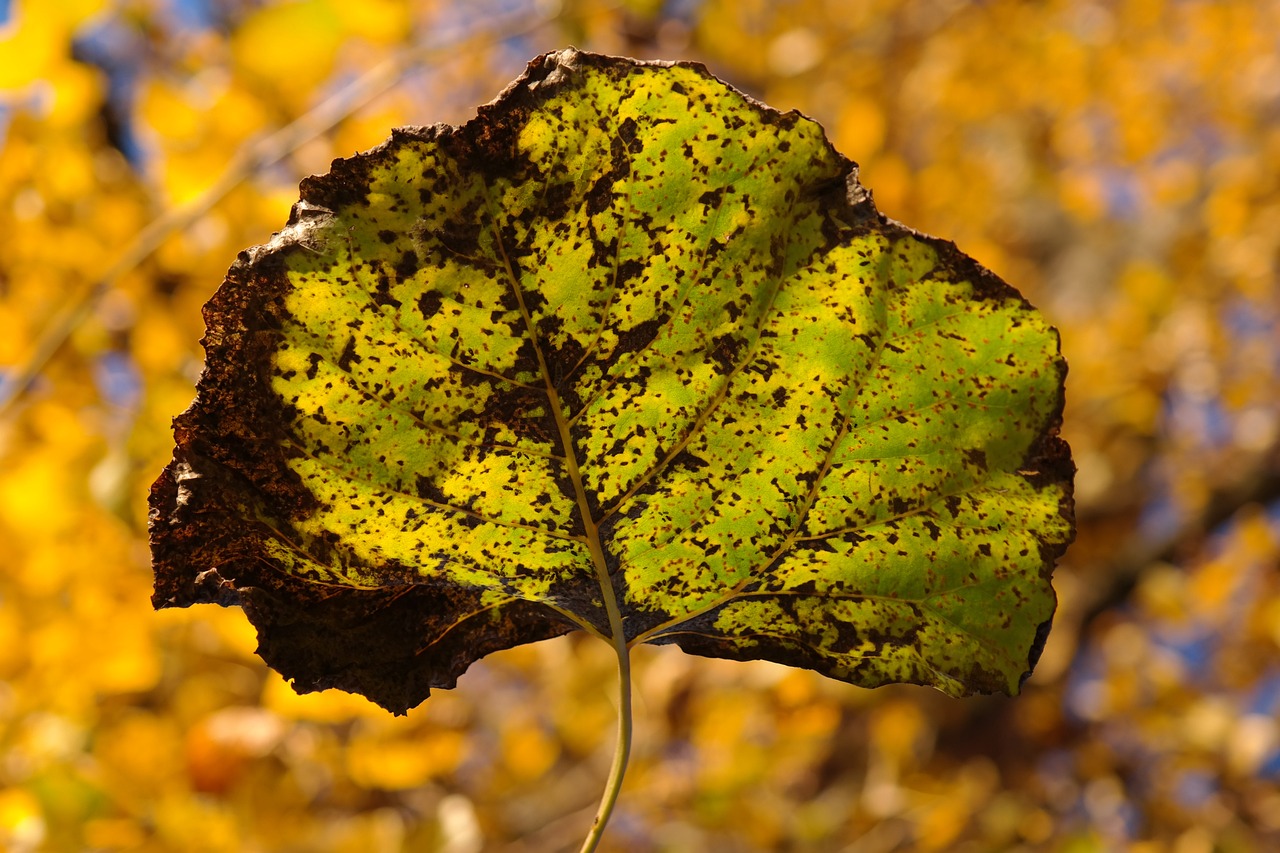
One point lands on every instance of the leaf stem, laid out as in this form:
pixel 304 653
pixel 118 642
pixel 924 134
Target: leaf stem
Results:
pixel 622 750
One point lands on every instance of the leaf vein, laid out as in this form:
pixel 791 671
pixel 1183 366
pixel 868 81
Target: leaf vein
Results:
pixel 349 474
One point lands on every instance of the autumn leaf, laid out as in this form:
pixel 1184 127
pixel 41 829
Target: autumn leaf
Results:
pixel 629 353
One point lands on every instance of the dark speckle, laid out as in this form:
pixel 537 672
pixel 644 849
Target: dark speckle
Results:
pixel 407 267
pixel 348 356
pixel 429 303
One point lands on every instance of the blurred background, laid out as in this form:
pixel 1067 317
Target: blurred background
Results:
pixel 1119 162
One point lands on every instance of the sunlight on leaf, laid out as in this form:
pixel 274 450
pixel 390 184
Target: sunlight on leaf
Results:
pixel 627 318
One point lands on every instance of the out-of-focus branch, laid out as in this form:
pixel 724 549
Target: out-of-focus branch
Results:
pixel 1259 484
pixel 252 157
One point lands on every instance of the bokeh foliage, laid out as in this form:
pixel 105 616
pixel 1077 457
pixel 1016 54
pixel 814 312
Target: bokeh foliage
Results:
pixel 1119 162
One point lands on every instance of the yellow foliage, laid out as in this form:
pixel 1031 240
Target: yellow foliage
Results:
pixel 139 753
pixel 387 22
pixel 313 31
pixel 529 752
pixel 379 761
pixel 328 706
pixel 860 128
pixel 32 46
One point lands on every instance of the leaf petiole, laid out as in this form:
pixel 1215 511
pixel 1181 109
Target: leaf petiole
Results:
pixel 622 749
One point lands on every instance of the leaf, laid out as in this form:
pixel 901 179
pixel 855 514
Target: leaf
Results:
pixel 628 345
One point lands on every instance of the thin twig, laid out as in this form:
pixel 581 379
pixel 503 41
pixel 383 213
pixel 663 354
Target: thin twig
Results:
pixel 1259 483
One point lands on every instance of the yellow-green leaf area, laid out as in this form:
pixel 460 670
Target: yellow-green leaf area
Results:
pixel 629 349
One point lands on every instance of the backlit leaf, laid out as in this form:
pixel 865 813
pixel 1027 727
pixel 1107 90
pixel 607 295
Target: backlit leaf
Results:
pixel 627 324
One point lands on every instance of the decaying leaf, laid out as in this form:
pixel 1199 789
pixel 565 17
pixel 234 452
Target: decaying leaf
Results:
pixel 626 336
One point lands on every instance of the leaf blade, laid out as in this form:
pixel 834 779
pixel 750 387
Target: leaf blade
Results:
pixel 627 335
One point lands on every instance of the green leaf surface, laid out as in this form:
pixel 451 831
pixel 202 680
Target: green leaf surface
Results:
pixel 632 340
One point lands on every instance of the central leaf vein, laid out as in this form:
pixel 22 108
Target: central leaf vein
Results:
pixel 590 530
